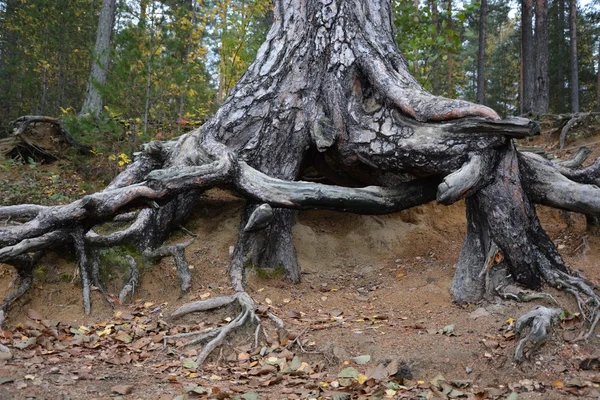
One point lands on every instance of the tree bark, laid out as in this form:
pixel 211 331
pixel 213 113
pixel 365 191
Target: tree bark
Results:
pixel 527 56
pixel 541 96
pixel 101 57
pixel 574 81
pixel 481 53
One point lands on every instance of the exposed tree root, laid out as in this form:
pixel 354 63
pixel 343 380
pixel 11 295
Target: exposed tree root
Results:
pixel 539 320
pixel 575 118
pixel 178 253
pixel 216 336
pixel 132 282
pixel 44 146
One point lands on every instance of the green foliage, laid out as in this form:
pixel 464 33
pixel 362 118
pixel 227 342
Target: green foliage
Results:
pixel 431 41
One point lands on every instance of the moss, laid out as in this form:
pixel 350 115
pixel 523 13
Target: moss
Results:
pixel 268 273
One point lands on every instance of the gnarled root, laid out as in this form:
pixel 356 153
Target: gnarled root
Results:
pixel 539 320
pixel 216 336
pixel 178 253
pixel 132 282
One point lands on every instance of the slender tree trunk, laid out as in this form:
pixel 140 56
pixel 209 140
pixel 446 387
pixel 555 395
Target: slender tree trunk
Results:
pixel 598 79
pixel 573 56
pixel 527 56
pixel 450 56
pixel 481 53
pixel 416 51
pixel 541 96
pixel 562 59
pixel 434 14
pixel 93 98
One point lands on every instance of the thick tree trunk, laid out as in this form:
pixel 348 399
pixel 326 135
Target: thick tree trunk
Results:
pixel 481 53
pixel 541 97
pixel 527 56
pixel 93 99
pixel 574 62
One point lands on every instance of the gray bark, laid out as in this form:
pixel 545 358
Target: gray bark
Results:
pixel 574 81
pixel 541 95
pixel 481 53
pixel 527 56
pixel 101 57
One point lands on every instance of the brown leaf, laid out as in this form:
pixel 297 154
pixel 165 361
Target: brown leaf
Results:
pixel 34 315
pixel 122 389
pixel 293 314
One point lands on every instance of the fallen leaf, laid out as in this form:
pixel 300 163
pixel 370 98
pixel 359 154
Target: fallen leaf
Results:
pixel 195 389
pixel 122 336
pixel 558 384
pixel 447 330
pixel 360 360
pixel 34 315
pixel 361 379
pixel 189 364
pixel 349 372
pixel 122 389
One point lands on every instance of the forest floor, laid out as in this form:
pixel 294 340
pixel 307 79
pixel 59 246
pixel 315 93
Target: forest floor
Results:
pixel 372 318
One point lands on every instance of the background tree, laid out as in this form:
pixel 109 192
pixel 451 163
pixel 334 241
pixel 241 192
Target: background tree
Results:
pixel 527 56
pixel 573 57
pixel 541 85
pixel 481 53
pixel 101 57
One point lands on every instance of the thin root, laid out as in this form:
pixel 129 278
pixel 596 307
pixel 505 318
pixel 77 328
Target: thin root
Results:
pixel 216 336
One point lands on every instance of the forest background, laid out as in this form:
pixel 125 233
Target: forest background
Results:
pixel 171 63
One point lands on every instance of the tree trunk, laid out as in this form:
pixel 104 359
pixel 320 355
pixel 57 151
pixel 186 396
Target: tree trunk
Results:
pixel 481 53
pixel 598 79
pixel 527 56
pixel 450 56
pixel 541 96
pixel 562 58
pixel 416 51
pixel 101 57
pixel 573 56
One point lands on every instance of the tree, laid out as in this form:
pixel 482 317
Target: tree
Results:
pixel 481 53
pixel 527 57
pixel 541 92
pixel 101 57
pixel 574 81
pixel 329 89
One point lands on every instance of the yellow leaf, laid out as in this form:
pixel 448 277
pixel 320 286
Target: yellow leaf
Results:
pixel 509 321
pixel 361 379
pixel 558 384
